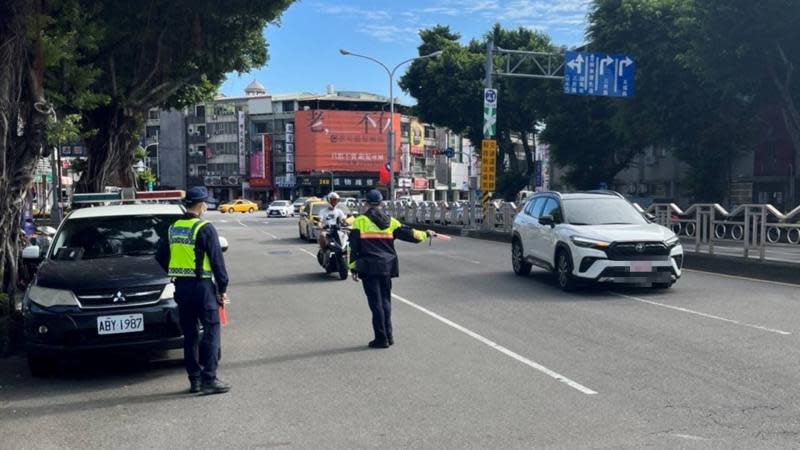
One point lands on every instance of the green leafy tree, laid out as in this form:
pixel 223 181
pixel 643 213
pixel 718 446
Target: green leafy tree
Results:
pixel 168 54
pixel 24 113
pixel 448 92
pixel 707 126
pixel 751 50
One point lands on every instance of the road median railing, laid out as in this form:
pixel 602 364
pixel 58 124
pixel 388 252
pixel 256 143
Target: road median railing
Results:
pixel 751 230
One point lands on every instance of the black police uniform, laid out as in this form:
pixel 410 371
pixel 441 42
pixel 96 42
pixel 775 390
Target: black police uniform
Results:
pixel 197 303
pixel 373 257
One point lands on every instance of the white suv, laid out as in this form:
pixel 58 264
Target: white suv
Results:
pixel 593 236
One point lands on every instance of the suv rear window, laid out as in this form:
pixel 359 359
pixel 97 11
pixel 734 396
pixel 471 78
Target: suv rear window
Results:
pixel 106 237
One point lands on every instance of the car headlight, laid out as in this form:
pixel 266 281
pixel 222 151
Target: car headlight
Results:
pixel 672 242
pixel 589 243
pixel 168 292
pixel 51 297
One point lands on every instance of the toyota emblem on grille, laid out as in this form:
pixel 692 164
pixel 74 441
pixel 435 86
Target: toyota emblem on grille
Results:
pixel 118 297
pixel 639 247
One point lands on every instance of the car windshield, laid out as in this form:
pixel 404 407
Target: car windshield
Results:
pixel 279 203
pixel 105 237
pixel 300 201
pixel 316 208
pixel 601 211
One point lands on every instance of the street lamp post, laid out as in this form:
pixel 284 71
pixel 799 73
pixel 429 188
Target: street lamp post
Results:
pixel 390 143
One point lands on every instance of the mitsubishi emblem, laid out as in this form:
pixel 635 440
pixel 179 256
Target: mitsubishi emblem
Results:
pixel 639 247
pixel 118 297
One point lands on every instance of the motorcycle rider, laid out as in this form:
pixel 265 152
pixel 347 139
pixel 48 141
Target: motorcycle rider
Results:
pixel 330 215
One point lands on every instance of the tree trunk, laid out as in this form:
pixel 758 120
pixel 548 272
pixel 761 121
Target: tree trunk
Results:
pixel 111 151
pixel 23 122
pixel 529 159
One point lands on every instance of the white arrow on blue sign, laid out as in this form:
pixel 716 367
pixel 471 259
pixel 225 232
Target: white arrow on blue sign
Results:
pixel 599 74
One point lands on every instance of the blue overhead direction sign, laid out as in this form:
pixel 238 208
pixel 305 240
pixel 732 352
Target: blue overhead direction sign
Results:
pixel 599 74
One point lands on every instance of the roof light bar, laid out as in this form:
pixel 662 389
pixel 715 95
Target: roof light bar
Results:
pixel 160 195
pixel 97 197
pixel 116 197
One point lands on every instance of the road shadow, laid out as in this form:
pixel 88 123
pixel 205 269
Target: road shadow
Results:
pixel 284 241
pixel 540 286
pixel 29 412
pixel 87 372
pixel 293 279
pixel 296 357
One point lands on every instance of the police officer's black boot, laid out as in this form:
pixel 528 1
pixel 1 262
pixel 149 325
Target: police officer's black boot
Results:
pixel 378 344
pixel 194 385
pixel 215 386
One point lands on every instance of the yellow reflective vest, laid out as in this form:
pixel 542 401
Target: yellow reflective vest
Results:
pixel 372 247
pixel 182 256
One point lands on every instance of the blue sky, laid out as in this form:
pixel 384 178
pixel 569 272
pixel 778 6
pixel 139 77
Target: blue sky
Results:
pixel 304 48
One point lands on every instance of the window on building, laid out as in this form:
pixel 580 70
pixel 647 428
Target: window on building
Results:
pixel 153 114
pixel 261 127
pixel 430 133
pixel 201 150
pixel 200 111
pixel 201 130
pixel 405 129
pixel 151 132
pixel 288 106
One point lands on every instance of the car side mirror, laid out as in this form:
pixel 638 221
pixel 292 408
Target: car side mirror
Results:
pixel 650 216
pixel 547 221
pixel 32 252
pixel 224 244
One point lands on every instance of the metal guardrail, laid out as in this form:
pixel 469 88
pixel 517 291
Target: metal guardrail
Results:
pixel 756 227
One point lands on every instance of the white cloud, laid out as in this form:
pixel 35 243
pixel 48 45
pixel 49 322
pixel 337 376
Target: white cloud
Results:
pixel 390 33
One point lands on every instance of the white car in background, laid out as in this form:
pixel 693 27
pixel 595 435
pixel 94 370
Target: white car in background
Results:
pixel 280 208
pixel 593 236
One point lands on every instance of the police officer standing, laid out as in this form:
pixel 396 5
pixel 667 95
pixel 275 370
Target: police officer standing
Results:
pixel 191 256
pixel 373 259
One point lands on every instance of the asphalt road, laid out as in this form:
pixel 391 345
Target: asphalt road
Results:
pixel 483 359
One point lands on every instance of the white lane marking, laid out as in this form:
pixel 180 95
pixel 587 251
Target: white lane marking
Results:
pixel 308 252
pixel 500 348
pixel 265 222
pixel 689 436
pixel 702 314
pixel 492 344
pixel 736 277
pixel 269 234
pixel 240 223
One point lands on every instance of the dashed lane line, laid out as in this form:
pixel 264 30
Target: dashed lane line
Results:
pixel 702 314
pixel 555 375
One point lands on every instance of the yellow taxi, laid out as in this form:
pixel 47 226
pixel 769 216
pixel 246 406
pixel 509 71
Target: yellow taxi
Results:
pixel 241 206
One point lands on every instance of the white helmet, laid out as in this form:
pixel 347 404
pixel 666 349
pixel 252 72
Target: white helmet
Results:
pixel 332 196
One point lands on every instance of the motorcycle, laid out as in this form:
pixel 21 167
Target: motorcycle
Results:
pixel 334 257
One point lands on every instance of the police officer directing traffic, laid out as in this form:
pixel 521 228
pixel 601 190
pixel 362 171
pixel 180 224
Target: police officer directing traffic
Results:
pixel 373 259
pixel 192 255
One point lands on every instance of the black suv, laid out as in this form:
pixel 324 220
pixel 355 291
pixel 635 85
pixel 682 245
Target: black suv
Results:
pixel 100 287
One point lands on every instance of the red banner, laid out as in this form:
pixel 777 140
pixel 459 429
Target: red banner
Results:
pixel 343 141
pixel 261 164
pixel 420 184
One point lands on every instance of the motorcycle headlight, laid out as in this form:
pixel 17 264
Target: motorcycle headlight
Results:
pixel 589 243
pixel 168 292
pixel 51 297
pixel 672 242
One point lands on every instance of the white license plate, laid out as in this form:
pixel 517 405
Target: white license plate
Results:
pixel 641 266
pixel 130 323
